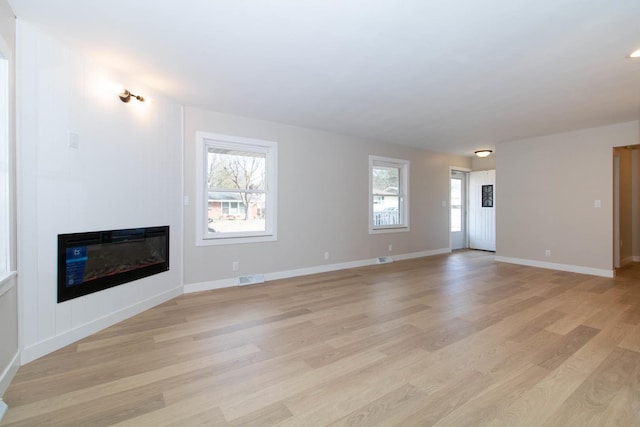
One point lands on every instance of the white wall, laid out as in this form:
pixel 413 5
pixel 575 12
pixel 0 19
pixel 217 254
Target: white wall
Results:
pixel 9 348
pixel 548 186
pixel 322 203
pixel 9 355
pixel 126 173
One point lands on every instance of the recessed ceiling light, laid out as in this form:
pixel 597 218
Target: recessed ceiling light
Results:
pixel 635 54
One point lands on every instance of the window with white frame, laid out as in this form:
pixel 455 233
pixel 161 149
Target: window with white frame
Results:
pixel 237 188
pixel 388 194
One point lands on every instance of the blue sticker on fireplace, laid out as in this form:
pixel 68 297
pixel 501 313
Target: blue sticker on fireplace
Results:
pixel 76 261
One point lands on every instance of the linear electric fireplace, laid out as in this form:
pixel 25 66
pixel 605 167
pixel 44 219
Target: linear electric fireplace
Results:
pixel 91 262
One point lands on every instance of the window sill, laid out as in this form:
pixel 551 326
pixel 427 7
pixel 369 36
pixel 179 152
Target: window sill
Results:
pixel 235 240
pixel 5 281
pixel 388 230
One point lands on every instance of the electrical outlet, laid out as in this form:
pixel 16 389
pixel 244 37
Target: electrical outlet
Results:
pixel 547 252
pixel 390 248
pixel 235 265
pixel 326 256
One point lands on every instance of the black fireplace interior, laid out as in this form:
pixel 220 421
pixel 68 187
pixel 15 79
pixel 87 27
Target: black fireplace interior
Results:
pixel 91 262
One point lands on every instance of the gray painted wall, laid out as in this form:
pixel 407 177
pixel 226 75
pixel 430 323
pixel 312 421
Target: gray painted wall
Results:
pixel 548 186
pixel 483 163
pixel 322 200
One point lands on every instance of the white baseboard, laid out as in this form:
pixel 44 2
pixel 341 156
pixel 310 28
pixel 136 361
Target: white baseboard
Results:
pixel 627 260
pixel 7 282
pixel 319 269
pixel 213 284
pixel 3 409
pixel 422 254
pixel 8 374
pixel 555 266
pixel 636 258
pixel 227 283
pixel 49 345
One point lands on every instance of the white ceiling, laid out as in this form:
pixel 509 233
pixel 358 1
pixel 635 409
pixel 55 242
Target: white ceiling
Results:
pixel 448 75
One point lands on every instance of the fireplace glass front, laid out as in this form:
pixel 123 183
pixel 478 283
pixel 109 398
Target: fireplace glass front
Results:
pixel 91 262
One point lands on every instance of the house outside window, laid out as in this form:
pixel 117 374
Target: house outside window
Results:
pixel 237 181
pixel 388 195
pixel 233 208
pixel 218 206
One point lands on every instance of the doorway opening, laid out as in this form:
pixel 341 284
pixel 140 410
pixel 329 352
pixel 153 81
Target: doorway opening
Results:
pixel 626 205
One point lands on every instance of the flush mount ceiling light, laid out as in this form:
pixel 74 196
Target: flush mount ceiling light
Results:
pixel 634 54
pixel 126 96
pixel 483 153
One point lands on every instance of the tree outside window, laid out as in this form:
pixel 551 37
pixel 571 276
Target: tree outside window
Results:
pixel 236 179
pixel 239 187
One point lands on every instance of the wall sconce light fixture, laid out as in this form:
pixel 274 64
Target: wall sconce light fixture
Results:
pixel 126 96
pixel 483 153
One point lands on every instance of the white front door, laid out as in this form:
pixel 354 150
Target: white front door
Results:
pixel 458 188
pixel 482 211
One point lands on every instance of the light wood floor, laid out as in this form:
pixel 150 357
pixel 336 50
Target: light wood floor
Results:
pixel 451 340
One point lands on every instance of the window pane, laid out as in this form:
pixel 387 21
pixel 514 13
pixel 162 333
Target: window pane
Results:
pixel 228 212
pixel 229 169
pixel 386 203
pixel 238 184
pixel 387 212
pixel 389 195
pixel 456 204
pixel 386 180
pixel 456 218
